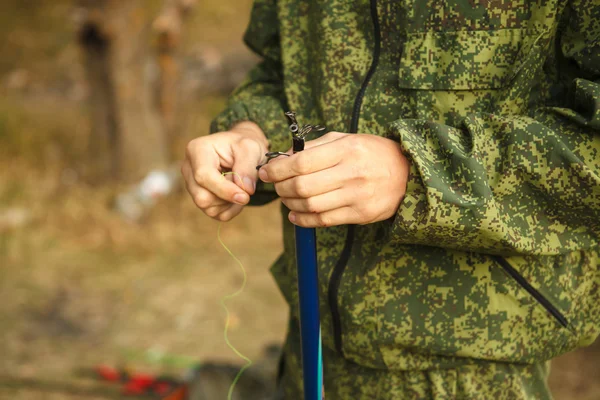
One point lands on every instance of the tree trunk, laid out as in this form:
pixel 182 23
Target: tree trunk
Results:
pixel 168 28
pixel 127 137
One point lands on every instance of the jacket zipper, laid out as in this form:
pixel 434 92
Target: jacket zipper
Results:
pixel 544 302
pixel 336 275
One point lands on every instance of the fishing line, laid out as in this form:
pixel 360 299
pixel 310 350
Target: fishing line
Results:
pixel 229 297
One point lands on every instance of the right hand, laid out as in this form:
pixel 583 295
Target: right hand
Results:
pixel 238 150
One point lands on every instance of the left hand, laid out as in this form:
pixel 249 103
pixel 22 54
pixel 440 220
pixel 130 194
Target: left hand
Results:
pixel 340 179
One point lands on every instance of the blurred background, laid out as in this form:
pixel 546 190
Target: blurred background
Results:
pixel 104 260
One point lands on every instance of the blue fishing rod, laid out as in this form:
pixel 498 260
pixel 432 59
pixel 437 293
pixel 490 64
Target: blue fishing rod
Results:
pixel 308 282
pixel 308 286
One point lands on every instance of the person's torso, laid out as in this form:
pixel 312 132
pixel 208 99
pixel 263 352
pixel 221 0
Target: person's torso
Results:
pixel 408 306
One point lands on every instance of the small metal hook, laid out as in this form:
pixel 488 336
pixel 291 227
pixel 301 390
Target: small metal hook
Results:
pixel 298 135
pixel 271 155
pixel 306 129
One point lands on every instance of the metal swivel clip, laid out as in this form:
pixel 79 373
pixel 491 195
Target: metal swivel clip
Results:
pixel 298 137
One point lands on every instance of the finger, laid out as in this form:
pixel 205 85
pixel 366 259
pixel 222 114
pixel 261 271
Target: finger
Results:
pixel 329 137
pixel 311 160
pixel 326 138
pixel 247 154
pixel 317 204
pixel 305 186
pixel 186 172
pixel 214 211
pixel 230 213
pixel 202 197
pixel 222 187
pixel 339 216
pixel 206 172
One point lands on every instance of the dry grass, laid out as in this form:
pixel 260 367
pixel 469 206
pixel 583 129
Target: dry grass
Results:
pixel 80 286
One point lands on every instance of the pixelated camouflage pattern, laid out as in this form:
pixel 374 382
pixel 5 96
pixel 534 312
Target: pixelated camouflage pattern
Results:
pixel 497 105
pixel 479 380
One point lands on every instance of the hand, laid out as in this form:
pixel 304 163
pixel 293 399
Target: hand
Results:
pixel 238 150
pixel 340 179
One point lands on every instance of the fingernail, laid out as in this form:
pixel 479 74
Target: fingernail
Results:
pixel 240 198
pixel 263 174
pixel 248 184
pixel 292 217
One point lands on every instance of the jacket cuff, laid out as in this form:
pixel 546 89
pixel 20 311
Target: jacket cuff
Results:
pixel 412 212
pixel 266 113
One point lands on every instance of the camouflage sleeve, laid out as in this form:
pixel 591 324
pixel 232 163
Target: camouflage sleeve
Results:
pixel 512 185
pixel 260 98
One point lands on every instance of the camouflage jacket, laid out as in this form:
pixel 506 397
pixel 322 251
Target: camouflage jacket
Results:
pixel 494 251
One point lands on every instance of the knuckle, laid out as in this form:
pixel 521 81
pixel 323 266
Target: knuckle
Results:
pixel 364 214
pixel 200 175
pixel 300 188
pixel 353 144
pixel 225 217
pixel 357 172
pixel 302 165
pixel 322 220
pixel 202 200
pixel 311 205
pixel 191 148
pixel 334 134
pixel 199 178
pixel 248 144
pixel 212 212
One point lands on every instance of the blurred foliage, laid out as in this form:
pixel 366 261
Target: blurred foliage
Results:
pixel 35 34
pixel 78 284
pixel 47 134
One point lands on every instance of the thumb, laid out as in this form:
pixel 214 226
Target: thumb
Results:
pixel 247 154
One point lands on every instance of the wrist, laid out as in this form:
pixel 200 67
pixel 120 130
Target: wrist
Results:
pixel 252 130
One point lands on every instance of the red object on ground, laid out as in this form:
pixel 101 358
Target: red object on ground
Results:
pixel 178 394
pixel 136 384
pixel 108 373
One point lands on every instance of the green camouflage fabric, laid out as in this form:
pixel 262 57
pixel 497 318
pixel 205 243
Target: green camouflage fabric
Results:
pixel 497 106
pixel 483 380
